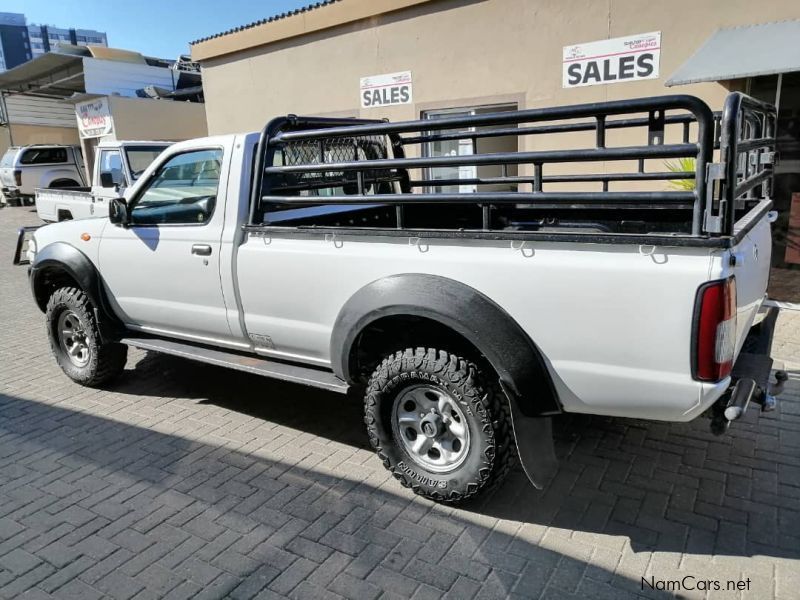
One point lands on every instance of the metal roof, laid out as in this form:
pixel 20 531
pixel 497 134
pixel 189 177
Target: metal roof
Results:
pixel 51 74
pixel 746 51
pixel 277 17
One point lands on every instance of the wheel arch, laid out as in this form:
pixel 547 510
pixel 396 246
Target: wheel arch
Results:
pixel 59 264
pixel 452 306
pixel 63 182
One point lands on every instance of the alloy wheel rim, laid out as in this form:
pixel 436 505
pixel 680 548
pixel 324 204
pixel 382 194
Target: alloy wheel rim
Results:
pixel 72 338
pixel 431 426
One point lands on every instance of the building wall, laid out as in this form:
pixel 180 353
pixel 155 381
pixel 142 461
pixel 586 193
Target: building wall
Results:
pixel 24 135
pixel 35 110
pixel 146 119
pixel 463 53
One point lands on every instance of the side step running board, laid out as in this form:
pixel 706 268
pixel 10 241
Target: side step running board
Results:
pixel 241 362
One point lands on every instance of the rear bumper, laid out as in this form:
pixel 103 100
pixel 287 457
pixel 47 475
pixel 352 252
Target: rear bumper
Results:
pixel 15 197
pixel 11 193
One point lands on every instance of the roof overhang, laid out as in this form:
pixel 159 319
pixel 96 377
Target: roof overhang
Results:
pixel 746 51
pixel 52 75
pixel 302 22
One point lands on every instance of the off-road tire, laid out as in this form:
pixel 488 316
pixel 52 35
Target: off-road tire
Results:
pixel 491 452
pixel 106 360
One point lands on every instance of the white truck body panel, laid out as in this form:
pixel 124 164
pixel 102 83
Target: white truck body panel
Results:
pixel 51 203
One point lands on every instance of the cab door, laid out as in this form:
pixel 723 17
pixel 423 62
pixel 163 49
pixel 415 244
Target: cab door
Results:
pixel 162 271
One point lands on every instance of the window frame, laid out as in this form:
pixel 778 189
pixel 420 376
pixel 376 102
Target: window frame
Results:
pixel 475 109
pixel 133 201
pixel 123 170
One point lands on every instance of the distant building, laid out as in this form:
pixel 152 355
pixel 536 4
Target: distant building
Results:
pixel 44 38
pixel 20 42
pixel 14 45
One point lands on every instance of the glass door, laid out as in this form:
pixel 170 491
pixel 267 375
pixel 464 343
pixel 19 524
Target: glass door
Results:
pixel 461 147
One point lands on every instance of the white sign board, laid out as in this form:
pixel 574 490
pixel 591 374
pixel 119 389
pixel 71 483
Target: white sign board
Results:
pixel 94 118
pixel 629 58
pixel 385 90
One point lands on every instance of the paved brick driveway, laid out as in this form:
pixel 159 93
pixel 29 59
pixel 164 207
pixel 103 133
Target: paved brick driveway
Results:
pixel 186 480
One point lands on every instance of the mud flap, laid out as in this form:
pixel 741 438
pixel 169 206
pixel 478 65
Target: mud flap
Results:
pixel 534 439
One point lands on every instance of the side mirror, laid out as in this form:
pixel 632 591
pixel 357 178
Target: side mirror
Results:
pixel 107 179
pixel 118 211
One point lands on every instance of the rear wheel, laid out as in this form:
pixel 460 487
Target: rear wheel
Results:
pixel 75 342
pixel 439 424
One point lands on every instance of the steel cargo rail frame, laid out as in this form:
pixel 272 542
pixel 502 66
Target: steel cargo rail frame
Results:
pixel 748 153
pixel 276 184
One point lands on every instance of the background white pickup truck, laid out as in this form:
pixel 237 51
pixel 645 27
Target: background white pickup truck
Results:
pixel 117 165
pixel 23 169
pixel 326 252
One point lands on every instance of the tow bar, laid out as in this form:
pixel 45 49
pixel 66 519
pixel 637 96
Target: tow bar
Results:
pixel 751 377
pixel 732 406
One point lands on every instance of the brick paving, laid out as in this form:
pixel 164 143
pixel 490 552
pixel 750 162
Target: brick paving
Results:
pixel 183 480
pixel 784 284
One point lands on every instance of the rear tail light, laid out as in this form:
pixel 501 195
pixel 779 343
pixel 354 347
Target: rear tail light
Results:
pixel 715 330
pixel 18 178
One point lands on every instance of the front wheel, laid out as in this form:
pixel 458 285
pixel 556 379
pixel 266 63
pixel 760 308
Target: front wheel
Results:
pixel 439 423
pixel 75 341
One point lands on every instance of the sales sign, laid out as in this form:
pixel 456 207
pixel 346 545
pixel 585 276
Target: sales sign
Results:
pixel 618 60
pixel 385 90
pixel 94 118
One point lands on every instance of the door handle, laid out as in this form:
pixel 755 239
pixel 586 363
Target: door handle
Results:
pixel 201 249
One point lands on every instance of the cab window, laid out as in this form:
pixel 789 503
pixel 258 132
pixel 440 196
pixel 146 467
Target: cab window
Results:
pixel 111 163
pixel 182 191
pixel 140 157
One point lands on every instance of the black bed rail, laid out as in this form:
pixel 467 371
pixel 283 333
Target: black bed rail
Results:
pixel 310 161
pixel 747 159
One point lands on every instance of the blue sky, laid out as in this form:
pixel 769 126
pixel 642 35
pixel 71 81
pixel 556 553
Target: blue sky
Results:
pixel 156 28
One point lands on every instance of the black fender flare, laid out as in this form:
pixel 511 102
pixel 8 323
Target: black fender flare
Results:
pixel 66 258
pixel 465 310
pixel 519 364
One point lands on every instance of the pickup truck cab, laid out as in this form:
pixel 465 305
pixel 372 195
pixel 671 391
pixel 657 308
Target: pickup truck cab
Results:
pixel 323 252
pixel 117 165
pixel 25 168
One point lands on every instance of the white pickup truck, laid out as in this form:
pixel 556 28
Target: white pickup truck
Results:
pixel 325 252
pixel 25 168
pixel 117 165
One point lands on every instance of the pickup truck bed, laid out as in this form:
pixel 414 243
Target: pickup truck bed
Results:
pixel 53 205
pixel 330 251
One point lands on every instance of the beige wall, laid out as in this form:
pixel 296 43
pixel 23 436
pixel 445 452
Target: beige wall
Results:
pixel 461 52
pixel 147 119
pixel 23 135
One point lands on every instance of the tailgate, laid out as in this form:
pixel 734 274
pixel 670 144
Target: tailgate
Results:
pixel 752 256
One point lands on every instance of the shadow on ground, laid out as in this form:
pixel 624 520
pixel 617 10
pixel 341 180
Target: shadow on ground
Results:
pixel 89 501
pixel 670 487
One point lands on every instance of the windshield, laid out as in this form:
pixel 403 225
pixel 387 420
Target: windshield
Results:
pixel 8 157
pixel 140 157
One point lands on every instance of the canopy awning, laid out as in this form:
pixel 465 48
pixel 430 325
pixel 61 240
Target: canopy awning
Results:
pixel 746 51
pixel 51 74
